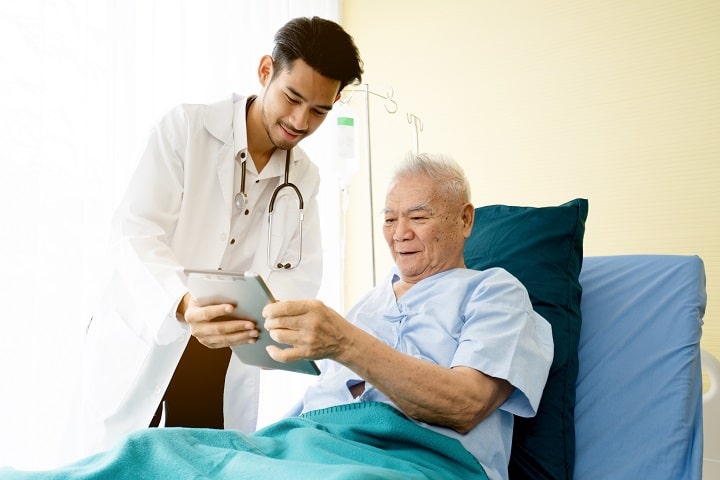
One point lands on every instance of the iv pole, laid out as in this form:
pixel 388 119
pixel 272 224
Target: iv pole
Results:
pixel 390 107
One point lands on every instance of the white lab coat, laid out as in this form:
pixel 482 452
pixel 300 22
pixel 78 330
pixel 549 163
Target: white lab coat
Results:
pixel 176 214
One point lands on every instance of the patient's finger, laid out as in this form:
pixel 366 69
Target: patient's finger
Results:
pixel 283 355
pixel 290 308
pixel 283 323
pixel 284 335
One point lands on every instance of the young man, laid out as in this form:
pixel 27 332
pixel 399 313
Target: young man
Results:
pixel 200 198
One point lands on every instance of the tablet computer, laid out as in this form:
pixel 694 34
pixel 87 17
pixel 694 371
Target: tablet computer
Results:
pixel 249 293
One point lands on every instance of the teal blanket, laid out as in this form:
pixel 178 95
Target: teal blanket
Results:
pixel 355 441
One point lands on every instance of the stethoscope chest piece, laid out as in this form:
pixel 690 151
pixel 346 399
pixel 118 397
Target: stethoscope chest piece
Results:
pixel 241 200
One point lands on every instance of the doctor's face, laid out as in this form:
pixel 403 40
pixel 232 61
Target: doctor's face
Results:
pixel 425 231
pixel 296 102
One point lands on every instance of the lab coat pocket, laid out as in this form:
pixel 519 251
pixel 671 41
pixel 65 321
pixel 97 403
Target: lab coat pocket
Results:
pixel 114 358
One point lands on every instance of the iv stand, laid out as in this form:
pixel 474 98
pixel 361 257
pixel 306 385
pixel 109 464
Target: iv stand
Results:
pixel 391 107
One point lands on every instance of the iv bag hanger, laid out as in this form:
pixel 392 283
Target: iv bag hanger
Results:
pixel 417 127
pixel 387 97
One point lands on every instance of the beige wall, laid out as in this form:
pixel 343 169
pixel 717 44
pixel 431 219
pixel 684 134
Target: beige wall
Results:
pixel 544 101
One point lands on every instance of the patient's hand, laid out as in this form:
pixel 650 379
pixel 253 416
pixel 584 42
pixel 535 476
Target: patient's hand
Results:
pixel 314 330
pixel 212 325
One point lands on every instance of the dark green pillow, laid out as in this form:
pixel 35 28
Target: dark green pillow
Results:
pixel 543 248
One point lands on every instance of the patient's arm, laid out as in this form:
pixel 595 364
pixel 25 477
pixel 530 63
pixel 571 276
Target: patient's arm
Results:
pixel 457 398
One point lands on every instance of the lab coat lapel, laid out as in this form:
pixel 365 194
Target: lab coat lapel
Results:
pixel 219 123
pixel 226 174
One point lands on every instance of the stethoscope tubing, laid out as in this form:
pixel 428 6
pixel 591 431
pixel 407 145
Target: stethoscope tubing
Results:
pixel 241 200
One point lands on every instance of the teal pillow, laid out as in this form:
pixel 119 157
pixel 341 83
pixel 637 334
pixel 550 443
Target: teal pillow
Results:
pixel 543 248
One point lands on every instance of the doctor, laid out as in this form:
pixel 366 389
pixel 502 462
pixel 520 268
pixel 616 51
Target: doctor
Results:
pixel 199 198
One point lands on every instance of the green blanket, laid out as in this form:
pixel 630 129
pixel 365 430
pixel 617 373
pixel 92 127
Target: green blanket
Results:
pixel 355 441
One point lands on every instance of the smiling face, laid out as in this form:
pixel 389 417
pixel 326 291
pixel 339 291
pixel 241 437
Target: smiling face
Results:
pixel 425 232
pixel 295 101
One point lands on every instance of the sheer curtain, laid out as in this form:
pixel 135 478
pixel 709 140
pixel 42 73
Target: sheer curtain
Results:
pixel 83 81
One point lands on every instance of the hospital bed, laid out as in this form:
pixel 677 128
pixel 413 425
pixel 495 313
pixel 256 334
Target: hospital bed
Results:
pixel 639 407
pixel 639 400
pixel 624 399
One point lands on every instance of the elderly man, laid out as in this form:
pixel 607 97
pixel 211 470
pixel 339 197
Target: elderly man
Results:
pixel 458 350
pixel 420 381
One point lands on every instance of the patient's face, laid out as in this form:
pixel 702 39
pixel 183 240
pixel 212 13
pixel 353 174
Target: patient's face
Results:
pixel 425 233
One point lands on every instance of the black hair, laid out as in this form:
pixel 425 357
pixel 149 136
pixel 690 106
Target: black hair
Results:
pixel 323 45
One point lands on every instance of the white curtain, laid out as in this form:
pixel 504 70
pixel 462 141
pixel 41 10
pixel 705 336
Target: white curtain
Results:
pixel 82 82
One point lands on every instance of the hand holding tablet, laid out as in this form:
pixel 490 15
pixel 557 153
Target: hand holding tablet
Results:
pixel 249 293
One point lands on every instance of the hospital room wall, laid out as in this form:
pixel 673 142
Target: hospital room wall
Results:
pixel 545 101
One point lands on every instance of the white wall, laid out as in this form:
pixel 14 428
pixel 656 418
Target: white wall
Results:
pixel 544 101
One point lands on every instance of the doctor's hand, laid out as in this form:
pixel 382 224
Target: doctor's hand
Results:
pixel 213 326
pixel 313 330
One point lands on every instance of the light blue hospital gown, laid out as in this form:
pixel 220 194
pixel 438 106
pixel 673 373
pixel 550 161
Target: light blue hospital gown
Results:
pixel 461 317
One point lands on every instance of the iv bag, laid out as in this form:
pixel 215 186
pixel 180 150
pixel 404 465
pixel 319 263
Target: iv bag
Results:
pixel 346 156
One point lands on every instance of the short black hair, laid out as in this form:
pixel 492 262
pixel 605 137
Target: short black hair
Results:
pixel 323 45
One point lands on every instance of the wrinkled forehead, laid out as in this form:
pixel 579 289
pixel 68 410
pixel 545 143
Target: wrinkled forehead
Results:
pixel 411 193
pixel 423 208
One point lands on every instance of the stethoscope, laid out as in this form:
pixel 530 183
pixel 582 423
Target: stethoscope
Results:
pixel 241 201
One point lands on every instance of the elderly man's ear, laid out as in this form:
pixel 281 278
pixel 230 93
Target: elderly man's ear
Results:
pixel 468 215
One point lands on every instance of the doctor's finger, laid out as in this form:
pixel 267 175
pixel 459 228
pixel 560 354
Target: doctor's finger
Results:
pixel 220 341
pixel 196 313
pixel 222 327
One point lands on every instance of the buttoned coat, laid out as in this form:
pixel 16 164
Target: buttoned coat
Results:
pixel 176 213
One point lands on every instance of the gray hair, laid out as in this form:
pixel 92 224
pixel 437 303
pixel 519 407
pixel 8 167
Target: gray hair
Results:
pixel 448 174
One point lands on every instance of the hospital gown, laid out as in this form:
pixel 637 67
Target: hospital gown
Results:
pixel 460 317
